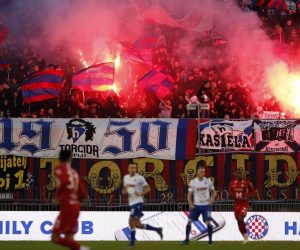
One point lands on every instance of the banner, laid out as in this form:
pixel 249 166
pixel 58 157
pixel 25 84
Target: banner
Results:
pixel 275 177
pixel 270 115
pixel 111 226
pixel 225 135
pixel 99 138
pixel 13 172
pixel 277 135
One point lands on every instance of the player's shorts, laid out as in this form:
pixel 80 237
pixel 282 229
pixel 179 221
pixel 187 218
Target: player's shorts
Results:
pixel 67 220
pixel 198 210
pixel 241 210
pixel 136 210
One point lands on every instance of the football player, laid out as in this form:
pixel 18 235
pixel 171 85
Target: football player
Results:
pixel 70 191
pixel 135 186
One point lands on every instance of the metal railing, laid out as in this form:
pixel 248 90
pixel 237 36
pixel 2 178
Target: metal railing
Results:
pixel 262 206
pixel 41 199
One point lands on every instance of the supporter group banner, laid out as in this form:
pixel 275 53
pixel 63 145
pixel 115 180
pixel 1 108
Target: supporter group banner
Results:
pixel 99 138
pixel 226 135
pixel 13 172
pixel 277 135
pixel 275 177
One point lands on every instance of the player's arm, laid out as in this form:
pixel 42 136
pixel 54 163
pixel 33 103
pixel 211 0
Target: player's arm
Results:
pixel 146 188
pixel 60 180
pixel 190 200
pixel 251 190
pixel 124 189
pixel 190 196
pixel 213 196
pixel 213 193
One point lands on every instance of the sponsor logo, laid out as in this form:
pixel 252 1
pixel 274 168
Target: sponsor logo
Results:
pixel 257 227
pixel 76 129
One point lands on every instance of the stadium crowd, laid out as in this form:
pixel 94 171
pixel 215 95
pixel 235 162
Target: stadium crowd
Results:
pixel 195 79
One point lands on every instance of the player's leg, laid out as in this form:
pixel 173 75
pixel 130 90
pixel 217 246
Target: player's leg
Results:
pixel 66 224
pixel 55 237
pixel 240 213
pixel 206 214
pixel 158 230
pixel 241 224
pixel 138 214
pixel 242 228
pixel 194 215
pixel 73 222
pixel 70 237
pixel 188 229
pixel 60 229
pixel 132 225
pixel 65 241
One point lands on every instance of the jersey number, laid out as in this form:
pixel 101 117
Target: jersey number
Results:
pixel 238 195
pixel 73 181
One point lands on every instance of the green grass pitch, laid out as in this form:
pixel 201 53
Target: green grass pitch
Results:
pixel 104 245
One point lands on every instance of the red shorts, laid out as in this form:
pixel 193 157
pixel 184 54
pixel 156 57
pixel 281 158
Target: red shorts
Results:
pixel 67 220
pixel 241 210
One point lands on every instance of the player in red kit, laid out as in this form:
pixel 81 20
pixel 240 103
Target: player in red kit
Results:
pixel 241 190
pixel 70 191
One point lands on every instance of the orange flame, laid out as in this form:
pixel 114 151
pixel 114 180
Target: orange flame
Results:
pixel 285 86
pixel 117 61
